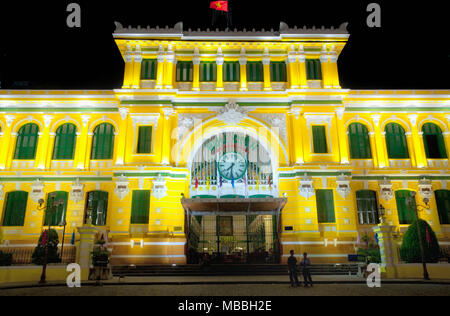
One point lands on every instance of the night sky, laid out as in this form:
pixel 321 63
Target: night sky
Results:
pixel 38 51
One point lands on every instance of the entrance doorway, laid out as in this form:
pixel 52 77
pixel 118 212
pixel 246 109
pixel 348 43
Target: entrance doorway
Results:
pixel 220 232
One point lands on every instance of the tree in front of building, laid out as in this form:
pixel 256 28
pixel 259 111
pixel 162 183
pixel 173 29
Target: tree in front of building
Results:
pixel 410 249
pixel 52 239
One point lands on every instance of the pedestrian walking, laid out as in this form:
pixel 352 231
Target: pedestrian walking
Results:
pixel 306 269
pixel 293 272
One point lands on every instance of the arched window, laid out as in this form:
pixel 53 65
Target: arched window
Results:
pixel 443 206
pixel 397 147
pixel 406 206
pixel 358 138
pixel 433 141
pixel 366 201
pixel 65 141
pixel 27 140
pixel 97 203
pixel 15 208
pixel 103 142
pixel 55 214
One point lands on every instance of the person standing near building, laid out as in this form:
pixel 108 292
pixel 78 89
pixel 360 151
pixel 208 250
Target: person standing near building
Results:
pixel 293 273
pixel 306 265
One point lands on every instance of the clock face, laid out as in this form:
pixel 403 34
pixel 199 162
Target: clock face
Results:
pixel 232 166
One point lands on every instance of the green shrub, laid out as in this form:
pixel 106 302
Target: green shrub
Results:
pixel 372 253
pixel 5 258
pixel 100 256
pixel 410 249
pixel 52 255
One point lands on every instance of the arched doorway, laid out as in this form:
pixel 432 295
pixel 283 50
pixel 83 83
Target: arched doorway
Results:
pixel 233 215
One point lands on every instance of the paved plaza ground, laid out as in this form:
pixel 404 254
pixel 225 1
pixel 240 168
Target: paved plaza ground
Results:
pixel 235 290
pixel 233 286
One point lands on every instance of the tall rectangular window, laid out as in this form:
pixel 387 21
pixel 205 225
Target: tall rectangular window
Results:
pixel 184 71
pixel 144 145
pixel 278 72
pixel 15 208
pixel 55 214
pixel 231 71
pixel 148 69
pixel 406 206
pixel 140 207
pixel 325 206
pixel 255 71
pixel 313 69
pixel 208 71
pixel 319 140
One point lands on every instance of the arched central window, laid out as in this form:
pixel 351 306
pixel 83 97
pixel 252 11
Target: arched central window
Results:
pixel 65 141
pixel 433 141
pixel 103 142
pixel 231 164
pixel 27 140
pixel 397 146
pixel 358 138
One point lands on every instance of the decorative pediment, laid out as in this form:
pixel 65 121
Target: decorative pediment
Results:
pixel 159 189
pixel 276 121
pixel 386 192
pixel 77 192
pixel 232 113
pixel 343 186
pixel 425 189
pixel 37 191
pixel 122 187
pixel 306 187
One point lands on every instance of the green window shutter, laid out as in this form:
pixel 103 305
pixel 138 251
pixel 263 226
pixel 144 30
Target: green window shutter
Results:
pixel 27 140
pixel 367 205
pixel 184 71
pixel 313 69
pixel 231 72
pixel 208 71
pixel 97 202
pixel 145 140
pixel 103 142
pixel 148 69
pixel 443 206
pixel 15 208
pixel 319 140
pixel 396 142
pixel 433 141
pixel 255 71
pixel 325 206
pixel 55 215
pixel 65 141
pixel 358 137
pixel 278 72
pixel 140 206
pixel 406 206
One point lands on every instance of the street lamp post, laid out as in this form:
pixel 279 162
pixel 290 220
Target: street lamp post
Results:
pixel 51 210
pixel 419 233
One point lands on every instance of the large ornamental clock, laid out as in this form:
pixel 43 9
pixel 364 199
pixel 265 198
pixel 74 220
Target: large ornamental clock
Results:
pixel 232 166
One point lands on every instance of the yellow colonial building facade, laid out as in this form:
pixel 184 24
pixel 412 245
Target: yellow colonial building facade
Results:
pixel 238 144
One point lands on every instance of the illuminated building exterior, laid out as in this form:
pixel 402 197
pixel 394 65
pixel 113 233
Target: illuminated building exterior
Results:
pixel 229 142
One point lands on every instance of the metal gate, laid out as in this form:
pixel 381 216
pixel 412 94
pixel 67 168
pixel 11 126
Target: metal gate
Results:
pixel 234 239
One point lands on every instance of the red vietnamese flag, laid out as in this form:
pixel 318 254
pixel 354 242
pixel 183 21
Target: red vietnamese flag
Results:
pixel 219 5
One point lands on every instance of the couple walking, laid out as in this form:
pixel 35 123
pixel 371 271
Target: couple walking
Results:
pixel 305 264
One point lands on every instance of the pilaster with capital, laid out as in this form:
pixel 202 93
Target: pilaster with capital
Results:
pixel 160 68
pixel 43 144
pixel 219 61
pixel 295 134
pixel 196 72
pixel 82 140
pixel 418 147
pixel 137 65
pixel 266 65
pixel 120 157
pixel 169 68
pixel 343 139
pixel 128 72
pixel 167 133
pixel 411 151
pixel 7 141
pixel 380 142
pixel 243 71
